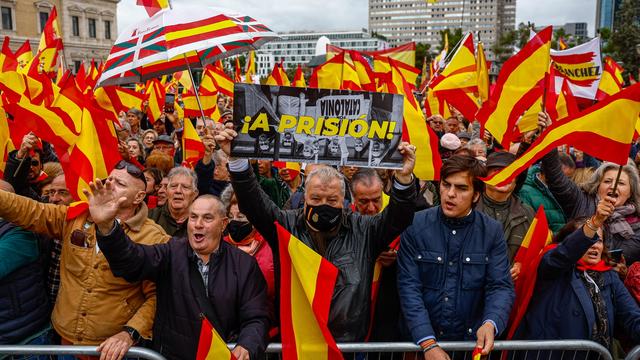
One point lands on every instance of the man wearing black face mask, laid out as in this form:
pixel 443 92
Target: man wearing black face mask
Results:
pixel 350 241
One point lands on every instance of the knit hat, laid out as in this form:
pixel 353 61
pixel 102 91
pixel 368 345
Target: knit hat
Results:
pixel 450 141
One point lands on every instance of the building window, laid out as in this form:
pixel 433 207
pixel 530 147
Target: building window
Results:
pixel 44 16
pixel 75 26
pixel 7 19
pixel 107 29
pixel 76 66
pixel 92 28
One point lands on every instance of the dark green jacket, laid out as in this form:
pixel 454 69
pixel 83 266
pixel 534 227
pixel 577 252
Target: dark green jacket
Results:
pixel 162 217
pixel 516 224
pixel 535 193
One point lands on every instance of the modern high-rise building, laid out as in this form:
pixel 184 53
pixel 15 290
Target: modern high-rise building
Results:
pixel 299 48
pixel 402 21
pixel 578 30
pixel 606 13
pixel 88 27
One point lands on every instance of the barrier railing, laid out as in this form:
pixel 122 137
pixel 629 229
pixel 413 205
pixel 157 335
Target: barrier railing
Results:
pixel 634 354
pixel 526 350
pixel 22 350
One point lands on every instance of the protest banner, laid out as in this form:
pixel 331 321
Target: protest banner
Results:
pixel 581 66
pixel 337 127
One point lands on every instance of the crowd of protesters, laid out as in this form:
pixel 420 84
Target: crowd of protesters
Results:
pixel 162 245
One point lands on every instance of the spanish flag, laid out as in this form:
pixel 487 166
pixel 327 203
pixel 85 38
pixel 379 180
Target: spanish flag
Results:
pixel 461 71
pixel 209 104
pixel 192 147
pixel 483 73
pixel 215 79
pixel 562 45
pixel 211 346
pixel 329 74
pixel 528 256
pixel 251 67
pixel 307 281
pixel 238 75
pixel 278 77
pixel 24 56
pixel 611 81
pixel 298 78
pixel 590 131
pixel 153 6
pixel 405 53
pixel 155 94
pixel 6 145
pixel 520 83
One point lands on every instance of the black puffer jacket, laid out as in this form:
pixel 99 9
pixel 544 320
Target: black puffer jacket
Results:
pixel 353 251
pixel 577 203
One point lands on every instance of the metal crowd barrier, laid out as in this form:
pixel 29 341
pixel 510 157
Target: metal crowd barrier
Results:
pixel 458 350
pixel 24 350
pixel 634 354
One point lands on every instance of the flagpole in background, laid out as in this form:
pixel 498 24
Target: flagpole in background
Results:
pixel 194 85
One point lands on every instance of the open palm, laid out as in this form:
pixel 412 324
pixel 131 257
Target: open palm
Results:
pixel 103 204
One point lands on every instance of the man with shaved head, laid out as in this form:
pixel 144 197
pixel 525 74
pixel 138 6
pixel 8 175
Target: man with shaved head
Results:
pixel 196 275
pixel 90 308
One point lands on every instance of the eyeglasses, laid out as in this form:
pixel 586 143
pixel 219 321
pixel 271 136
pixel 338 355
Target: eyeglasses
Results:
pixel 132 170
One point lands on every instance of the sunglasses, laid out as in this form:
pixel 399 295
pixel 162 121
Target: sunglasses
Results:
pixel 132 170
pixel 35 162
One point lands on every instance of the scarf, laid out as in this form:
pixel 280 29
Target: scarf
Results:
pixel 599 267
pixel 623 221
pixel 594 281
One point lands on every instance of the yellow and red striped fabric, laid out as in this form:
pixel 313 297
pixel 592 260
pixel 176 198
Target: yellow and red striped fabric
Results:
pixel 24 56
pixel 307 281
pixel 461 71
pixel 415 129
pixel 156 97
pixel 238 74
pixel 278 77
pixel 210 345
pixel 153 6
pixel 329 74
pixel 209 106
pixel 183 78
pixel 562 44
pixel 483 73
pixel 405 53
pixel 611 80
pixel 298 78
pixel 293 167
pixel 214 79
pixel 251 67
pixel 192 147
pixel 520 84
pixel 6 145
pixel 76 209
pixel 589 131
pixel 528 256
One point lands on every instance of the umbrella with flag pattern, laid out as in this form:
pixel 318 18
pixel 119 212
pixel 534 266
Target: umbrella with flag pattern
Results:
pixel 175 39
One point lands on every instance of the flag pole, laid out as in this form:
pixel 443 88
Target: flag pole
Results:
pixel 615 184
pixel 194 85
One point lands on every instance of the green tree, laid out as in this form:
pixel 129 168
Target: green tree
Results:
pixel 422 53
pixel 625 38
pixel 503 48
pixel 453 37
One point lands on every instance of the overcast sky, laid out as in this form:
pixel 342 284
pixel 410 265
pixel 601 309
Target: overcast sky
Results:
pixel 326 15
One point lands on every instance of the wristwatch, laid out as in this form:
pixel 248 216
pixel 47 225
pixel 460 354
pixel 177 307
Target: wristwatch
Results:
pixel 135 335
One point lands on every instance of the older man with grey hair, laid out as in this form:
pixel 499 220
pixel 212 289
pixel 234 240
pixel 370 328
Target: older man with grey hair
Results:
pixel 182 189
pixel 350 241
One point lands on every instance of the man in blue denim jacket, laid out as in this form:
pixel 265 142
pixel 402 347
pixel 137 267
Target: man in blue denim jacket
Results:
pixel 453 270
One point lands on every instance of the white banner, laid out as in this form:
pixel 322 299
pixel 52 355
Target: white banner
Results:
pixel 581 66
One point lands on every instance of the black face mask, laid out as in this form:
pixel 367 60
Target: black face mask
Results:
pixel 322 217
pixel 239 230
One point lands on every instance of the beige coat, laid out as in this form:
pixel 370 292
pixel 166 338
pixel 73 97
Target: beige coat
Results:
pixel 92 304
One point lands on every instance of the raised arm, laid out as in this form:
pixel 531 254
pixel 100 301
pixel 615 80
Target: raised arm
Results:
pixel 564 257
pixel 31 215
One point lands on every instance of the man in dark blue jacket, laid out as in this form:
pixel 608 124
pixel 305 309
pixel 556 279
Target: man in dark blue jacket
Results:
pixel 453 270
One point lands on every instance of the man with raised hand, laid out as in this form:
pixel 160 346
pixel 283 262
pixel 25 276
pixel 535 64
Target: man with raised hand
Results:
pixel 350 241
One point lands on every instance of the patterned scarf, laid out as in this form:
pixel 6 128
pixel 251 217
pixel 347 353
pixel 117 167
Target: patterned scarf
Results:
pixel 594 281
pixel 623 221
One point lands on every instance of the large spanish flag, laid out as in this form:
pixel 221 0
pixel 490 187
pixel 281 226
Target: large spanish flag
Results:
pixel 520 83
pixel 590 131
pixel 211 346
pixel 329 74
pixel 461 71
pixel 483 73
pixel 214 78
pixel 155 93
pixel 528 256
pixel 24 56
pixel 209 104
pixel 306 287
